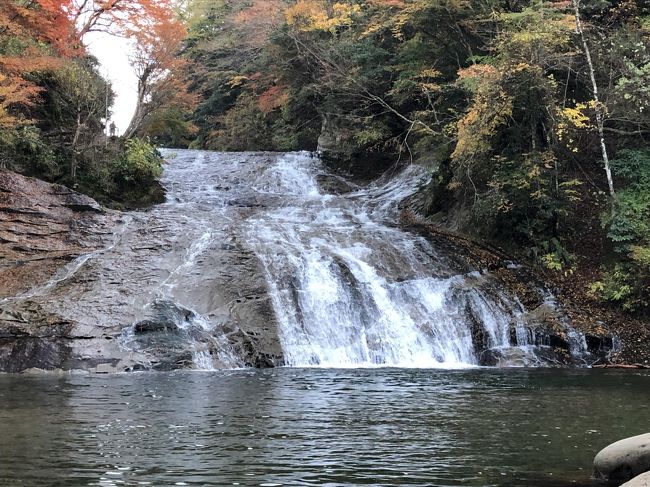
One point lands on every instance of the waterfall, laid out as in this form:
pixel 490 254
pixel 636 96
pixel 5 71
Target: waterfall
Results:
pixel 263 259
pixel 350 289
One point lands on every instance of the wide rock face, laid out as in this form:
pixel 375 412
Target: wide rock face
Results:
pixel 43 226
pixel 624 460
pixel 93 289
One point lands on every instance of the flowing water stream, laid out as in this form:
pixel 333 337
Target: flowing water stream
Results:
pixel 348 287
pixel 351 289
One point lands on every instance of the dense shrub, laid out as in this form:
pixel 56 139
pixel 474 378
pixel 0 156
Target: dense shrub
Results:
pixel 140 164
pixel 628 226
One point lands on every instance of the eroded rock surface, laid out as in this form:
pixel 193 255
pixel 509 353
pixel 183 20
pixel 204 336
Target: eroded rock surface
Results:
pixel 43 226
pixel 172 287
pixel 45 231
pixel 260 259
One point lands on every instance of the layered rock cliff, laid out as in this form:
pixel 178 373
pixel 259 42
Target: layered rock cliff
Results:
pixel 86 288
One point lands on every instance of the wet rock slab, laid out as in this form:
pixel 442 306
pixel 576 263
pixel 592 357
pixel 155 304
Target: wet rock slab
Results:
pixel 42 227
pixel 83 288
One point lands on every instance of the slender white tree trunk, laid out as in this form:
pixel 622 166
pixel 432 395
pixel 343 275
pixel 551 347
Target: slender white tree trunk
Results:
pixel 600 115
pixel 137 115
pixel 75 141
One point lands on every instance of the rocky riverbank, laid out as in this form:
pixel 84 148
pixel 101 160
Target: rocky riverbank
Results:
pixel 612 338
pixel 549 322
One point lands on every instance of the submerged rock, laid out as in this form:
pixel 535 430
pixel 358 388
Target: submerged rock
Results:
pixel 623 460
pixel 532 356
pixel 334 184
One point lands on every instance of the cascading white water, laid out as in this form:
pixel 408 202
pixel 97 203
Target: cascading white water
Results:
pixel 262 259
pixel 350 290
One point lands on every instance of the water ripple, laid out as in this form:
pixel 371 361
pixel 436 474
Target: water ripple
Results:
pixel 316 427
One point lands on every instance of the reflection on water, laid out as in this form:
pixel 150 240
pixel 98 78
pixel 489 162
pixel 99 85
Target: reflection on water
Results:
pixel 316 427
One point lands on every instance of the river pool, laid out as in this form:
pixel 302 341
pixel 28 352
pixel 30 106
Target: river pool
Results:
pixel 326 427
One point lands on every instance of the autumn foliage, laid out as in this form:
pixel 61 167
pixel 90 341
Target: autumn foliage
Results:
pixel 159 68
pixel 24 30
pixel 54 105
pixel 257 21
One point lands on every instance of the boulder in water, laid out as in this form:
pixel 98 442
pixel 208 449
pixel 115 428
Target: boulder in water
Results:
pixel 334 184
pixel 149 326
pixel 623 460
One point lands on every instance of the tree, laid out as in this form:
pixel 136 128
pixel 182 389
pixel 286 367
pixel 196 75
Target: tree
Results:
pixel 258 21
pixel 45 21
pixel 598 106
pixel 119 17
pixel 25 28
pixel 14 91
pixel 158 68
pixel 78 101
pixel 169 128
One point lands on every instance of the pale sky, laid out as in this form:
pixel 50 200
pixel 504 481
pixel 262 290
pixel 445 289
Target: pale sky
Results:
pixel 113 54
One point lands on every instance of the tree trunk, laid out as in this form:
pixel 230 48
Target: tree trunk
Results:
pixel 138 115
pixel 75 141
pixel 600 115
pixel 140 107
pixel 135 122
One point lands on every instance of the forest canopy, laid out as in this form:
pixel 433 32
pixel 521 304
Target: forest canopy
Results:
pixel 532 115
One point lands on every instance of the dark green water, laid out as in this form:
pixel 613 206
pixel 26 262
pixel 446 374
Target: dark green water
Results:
pixel 317 427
